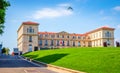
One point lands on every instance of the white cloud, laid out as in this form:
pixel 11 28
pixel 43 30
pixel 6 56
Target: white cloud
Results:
pixel 118 26
pixel 64 5
pixel 59 11
pixel 117 8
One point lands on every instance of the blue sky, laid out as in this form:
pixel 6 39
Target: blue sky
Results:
pixel 54 16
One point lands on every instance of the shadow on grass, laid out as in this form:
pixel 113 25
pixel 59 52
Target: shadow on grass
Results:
pixel 51 58
pixel 31 56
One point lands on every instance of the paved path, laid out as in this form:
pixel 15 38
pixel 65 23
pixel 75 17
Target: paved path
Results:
pixel 16 64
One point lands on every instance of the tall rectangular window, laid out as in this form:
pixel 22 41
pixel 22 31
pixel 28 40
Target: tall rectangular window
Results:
pixel 46 42
pixel 67 43
pixel 79 43
pixel 68 36
pixel 57 36
pixel 52 36
pixel 79 37
pixel 57 42
pixel 62 36
pixel 41 35
pixel 52 42
pixel 30 38
pixel 40 42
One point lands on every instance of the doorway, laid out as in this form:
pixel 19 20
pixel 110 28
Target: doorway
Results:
pixel 30 48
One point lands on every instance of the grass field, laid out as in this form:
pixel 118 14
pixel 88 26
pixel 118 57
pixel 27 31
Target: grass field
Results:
pixel 90 60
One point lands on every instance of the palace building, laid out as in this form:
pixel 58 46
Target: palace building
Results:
pixel 30 39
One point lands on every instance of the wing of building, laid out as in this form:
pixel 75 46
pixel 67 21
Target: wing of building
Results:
pixel 30 39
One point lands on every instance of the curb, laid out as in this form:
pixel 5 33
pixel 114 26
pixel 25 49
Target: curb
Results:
pixel 52 66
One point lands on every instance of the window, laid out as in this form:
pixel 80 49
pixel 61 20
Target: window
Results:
pixel 78 37
pixel 52 36
pixel 40 42
pixel 96 35
pixel 108 42
pixel 83 37
pixel 63 43
pixel 46 42
pixel 30 30
pixel 73 43
pixel 57 36
pixel 52 42
pixel 74 37
pixel 67 36
pixel 62 36
pixel 99 34
pixel 41 35
pixel 107 34
pixel 27 30
pixel 79 43
pixel 57 42
pixel 30 38
pixel 67 43
pixel 46 35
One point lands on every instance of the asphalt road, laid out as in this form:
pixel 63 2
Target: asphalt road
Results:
pixel 16 64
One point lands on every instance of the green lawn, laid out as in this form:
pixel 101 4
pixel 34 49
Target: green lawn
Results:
pixel 90 60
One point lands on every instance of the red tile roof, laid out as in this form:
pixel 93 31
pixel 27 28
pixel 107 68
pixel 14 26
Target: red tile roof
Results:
pixel 103 27
pixel 106 27
pixel 77 34
pixel 46 32
pixel 55 33
pixel 85 34
pixel 30 23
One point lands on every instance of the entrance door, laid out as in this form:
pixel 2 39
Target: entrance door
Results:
pixel 105 44
pixel 35 48
pixel 30 48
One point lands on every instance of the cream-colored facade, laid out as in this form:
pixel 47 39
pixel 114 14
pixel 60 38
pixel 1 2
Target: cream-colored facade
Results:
pixel 30 39
pixel 27 36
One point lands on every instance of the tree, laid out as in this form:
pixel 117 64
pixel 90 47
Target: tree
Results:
pixel 5 50
pixel 3 6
